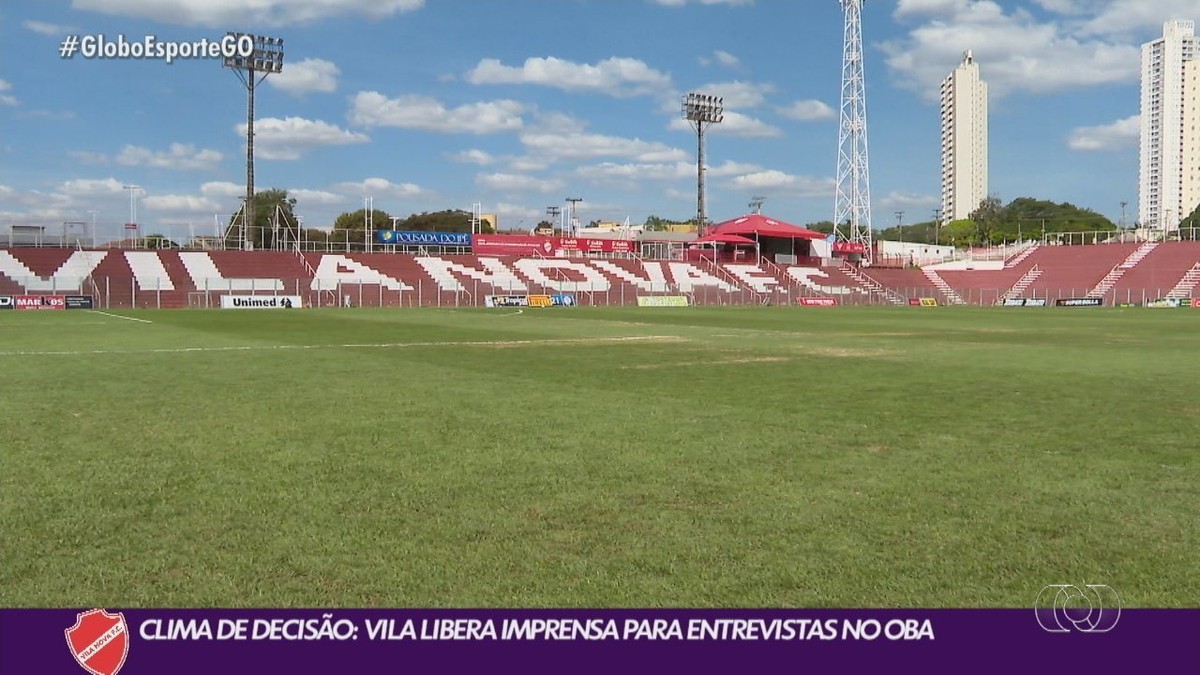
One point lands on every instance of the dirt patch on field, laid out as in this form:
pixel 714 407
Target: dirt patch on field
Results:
pixel 571 342
pixel 1189 411
pixel 845 352
pixel 725 361
pixel 878 449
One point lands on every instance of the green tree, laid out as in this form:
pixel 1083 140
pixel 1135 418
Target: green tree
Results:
pixel 657 224
pixel 450 220
pixel 346 225
pixel 959 233
pixel 824 226
pixel 270 206
pixel 157 241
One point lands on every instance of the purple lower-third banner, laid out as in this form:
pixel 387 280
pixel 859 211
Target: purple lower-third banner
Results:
pixel 107 641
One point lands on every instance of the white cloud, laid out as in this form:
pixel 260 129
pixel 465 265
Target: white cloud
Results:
pixel 180 203
pixel 86 157
pixel 783 183
pixel 681 3
pixel 721 57
pixel 734 124
pixel 635 172
pixel 1123 17
pixel 291 137
pixel 509 182
pixel 614 76
pixel 380 187
pixel 1014 51
pixel 920 206
pixel 306 77
pixel 320 197
pixel 222 189
pixel 510 215
pixel 1120 134
pixel 90 186
pixel 372 109
pixel 807 111
pixel 6 99
pixel 473 157
pixel 224 13
pixel 53 29
pixel 739 94
pixel 580 145
pixel 179 156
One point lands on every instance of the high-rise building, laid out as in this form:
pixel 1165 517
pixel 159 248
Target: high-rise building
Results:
pixel 1168 176
pixel 964 141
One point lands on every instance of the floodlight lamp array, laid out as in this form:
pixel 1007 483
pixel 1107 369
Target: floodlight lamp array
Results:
pixel 703 108
pixel 266 57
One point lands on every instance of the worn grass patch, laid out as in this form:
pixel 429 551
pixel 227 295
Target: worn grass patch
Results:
pixel 727 457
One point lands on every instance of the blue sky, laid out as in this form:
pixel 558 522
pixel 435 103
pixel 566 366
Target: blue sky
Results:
pixel 519 104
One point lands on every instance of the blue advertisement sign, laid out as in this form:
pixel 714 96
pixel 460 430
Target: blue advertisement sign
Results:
pixel 407 238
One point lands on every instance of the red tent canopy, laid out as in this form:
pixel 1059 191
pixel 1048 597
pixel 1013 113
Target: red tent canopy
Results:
pixel 725 239
pixel 763 226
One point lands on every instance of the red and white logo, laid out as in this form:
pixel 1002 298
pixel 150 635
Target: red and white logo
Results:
pixel 99 641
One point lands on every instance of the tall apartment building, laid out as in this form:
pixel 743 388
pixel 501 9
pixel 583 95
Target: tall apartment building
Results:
pixel 964 141
pixel 1169 164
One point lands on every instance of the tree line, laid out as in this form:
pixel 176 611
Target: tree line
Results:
pixel 991 223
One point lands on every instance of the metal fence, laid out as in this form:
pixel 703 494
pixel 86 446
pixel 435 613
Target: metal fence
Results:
pixel 124 292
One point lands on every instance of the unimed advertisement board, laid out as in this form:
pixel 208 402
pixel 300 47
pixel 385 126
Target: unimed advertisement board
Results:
pixel 261 302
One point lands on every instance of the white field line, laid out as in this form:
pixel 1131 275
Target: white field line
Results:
pixel 118 316
pixel 381 345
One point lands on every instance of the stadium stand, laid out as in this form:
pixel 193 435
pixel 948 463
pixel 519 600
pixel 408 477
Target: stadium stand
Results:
pixel 117 278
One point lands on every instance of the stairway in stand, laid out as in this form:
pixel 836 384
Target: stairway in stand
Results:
pixel 1119 271
pixel 951 296
pixel 1187 284
pixel 1020 256
pixel 870 284
pixel 1022 283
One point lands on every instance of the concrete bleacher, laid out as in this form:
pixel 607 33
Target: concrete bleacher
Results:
pixel 1073 271
pixel 1156 275
pixel 1129 272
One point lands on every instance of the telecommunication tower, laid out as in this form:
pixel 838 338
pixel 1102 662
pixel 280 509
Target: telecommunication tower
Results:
pixel 852 208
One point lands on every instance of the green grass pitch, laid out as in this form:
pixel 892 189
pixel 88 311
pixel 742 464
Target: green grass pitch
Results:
pixel 717 457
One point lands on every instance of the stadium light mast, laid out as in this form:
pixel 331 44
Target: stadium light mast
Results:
pixel 132 225
pixel 702 111
pixel 573 201
pixel 552 214
pixel 852 207
pixel 265 58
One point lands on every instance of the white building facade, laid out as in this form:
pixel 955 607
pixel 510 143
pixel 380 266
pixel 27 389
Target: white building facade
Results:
pixel 964 141
pixel 1169 165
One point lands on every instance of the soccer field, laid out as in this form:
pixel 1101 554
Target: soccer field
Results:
pixel 718 457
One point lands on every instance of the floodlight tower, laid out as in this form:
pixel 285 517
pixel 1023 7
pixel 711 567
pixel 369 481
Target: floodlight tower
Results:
pixel 262 57
pixel 573 201
pixel 702 111
pixel 852 208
